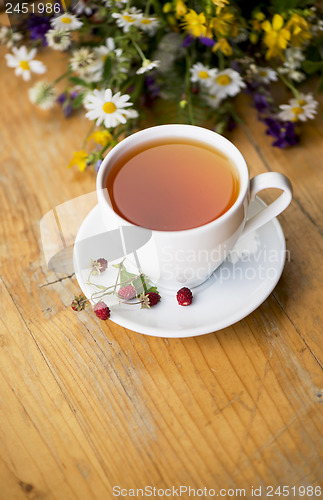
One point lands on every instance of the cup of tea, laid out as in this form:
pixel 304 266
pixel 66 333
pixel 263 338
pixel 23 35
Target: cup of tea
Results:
pixel 187 189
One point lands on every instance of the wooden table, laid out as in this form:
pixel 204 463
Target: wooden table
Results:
pixel 87 405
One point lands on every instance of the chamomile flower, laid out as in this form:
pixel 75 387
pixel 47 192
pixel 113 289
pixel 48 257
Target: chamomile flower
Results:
pixel 84 7
pixel 294 57
pixel 9 37
pixel 109 109
pixel 301 109
pixel 67 22
pixel 148 24
pixel 104 51
pixel 83 61
pixel 128 18
pixel 146 66
pixel 58 39
pixel 115 3
pixel 267 75
pixel 24 63
pixel 212 100
pixel 201 73
pixel 43 94
pixel 225 83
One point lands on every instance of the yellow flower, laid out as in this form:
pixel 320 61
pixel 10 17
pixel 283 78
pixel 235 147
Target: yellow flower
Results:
pixel 224 46
pixel 194 23
pixel 167 7
pixel 259 17
pixel 276 37
pixel 223 23
pixel 79 159
pixel 102 137
pixel 220 3
pixel 299 29
pixel 180 8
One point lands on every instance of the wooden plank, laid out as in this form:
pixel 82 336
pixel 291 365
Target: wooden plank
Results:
pixel 87 405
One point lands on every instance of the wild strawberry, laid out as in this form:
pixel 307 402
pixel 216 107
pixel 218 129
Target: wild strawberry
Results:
pixel 98 266
pixel 149 299
pixel 103 264
pixel 79 302
pixel 127 292
pixel 102 311
pixel 184 296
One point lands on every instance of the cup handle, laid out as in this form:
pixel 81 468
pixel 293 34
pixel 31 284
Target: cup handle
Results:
pixel 265 181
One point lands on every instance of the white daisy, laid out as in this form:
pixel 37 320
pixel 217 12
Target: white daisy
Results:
pixel 148 25
pixel 127 18
pixel 9 37
pixel 24 63
pixel 58 39
pixel 83 61
pixel 103 51
pixel 67 22
pixel 115 3
pixel 226 82
pixel 293 62
pixel 43 94
pixel 147 65
pixel 84 7
pixel 106 108
pixel 267 75
pixel 201 73
pixel 212 100
pixel 299 109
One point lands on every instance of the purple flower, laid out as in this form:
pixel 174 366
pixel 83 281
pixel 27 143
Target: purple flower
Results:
pixel 152 87
pixel 283 132
pixel 66 99
pixel 38 27
pixel 206 41
pixel 261 103
pixel 188 40
pixel 98 165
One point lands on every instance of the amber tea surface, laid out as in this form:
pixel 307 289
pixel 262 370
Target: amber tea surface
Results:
pixel 171 186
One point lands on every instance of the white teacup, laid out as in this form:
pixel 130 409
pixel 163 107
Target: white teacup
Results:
pixel 174 259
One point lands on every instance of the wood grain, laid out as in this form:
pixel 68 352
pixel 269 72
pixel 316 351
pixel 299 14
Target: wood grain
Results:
pixel 87 405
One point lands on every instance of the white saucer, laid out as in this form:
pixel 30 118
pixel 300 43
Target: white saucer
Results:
pixel 236 288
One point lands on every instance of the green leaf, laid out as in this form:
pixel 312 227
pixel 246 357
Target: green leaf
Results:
pixel 77 102
pixel 152 289
pixel 79 81
pixel 107 68
pixel 279 6
pixel 312 66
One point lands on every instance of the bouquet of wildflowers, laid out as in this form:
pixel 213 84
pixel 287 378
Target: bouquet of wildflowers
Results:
pixel 123 55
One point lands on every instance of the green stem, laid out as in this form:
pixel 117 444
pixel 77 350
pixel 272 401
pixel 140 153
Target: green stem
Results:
pixel 188 89
pixel 221 60
pixel 64 75
pixel 138 49
pixel 88 134
pixel 288 84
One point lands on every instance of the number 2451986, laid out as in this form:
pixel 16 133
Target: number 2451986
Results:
pixel 32 8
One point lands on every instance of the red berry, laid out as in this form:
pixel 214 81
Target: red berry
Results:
pixel 154 298
pixel 184 297
pixel 102 311
pixel 149 299
pixel 103 264
pixel 127 292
